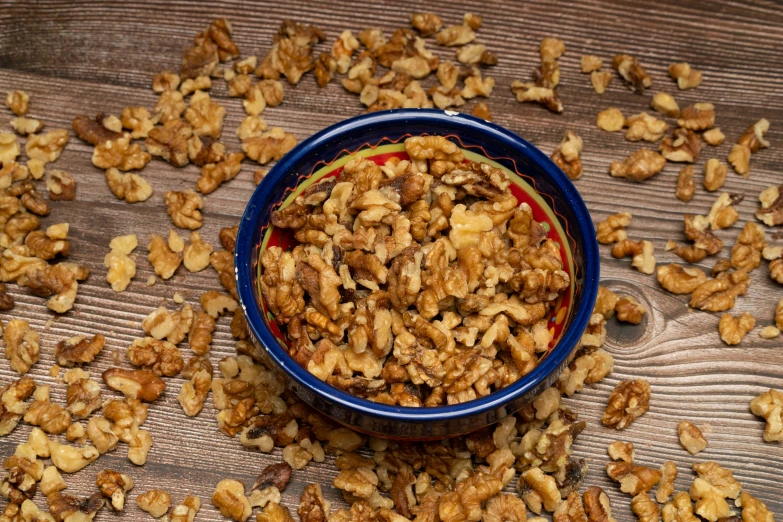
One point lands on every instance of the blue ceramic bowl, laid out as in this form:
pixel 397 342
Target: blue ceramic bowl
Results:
pixel 537 180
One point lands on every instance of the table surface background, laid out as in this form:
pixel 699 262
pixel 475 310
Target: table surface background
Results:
pixel 83 58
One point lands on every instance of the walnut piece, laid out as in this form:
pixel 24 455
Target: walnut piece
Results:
pixel 631 71
pixel 215 174
pixel 18 102
pixel 645 509
pixel 162 357
pixel 628 401
pixel 612 229
pixel 771 211
pixel 128 186
pixel 700 116
pixel 645 127
pixel 134 384
pixel 122 268
pixel 156 502
pixel 566 155
pixel 120 154
pixel 229 497
pixel 641 251
pixel 26 126
pixel 184 208
pixel 78 350
pixel 313 507
pixel 683 145
pixel 71 459
pixel 590 63
pixel 769 405
pixel 205 116
pixel 163 259
pixel 665 104
pixel 691 437
pixel 268 146
pixel 639 166
pixel 633 479
pixel 114 486
pixel 678 279
pixel 623 451
pixel 686 187
pixel 629 310
pixel 714 174
pixel 170 142
pixel 597 505
pixel 719 294
pixel 530 92
pixel 22 345
pixel 733 329
pixel 687 78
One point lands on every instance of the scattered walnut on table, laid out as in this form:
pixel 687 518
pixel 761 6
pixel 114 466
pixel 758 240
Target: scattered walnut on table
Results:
pixel 162 357
pixel 769 405
pixel 714 174
pixel 50 417
pixel 120 154
pixel 229 497
pixel 194 392
pixel 114 486
pixel 686 187
pixel 622 451
pixel 538 490
pixel 683 146
pixel 771 211
pixel 753 137
pixel 9 148
pixel 530 92
pixel 165 81
pixel 691 438
pixel 733 329
pixel 134 384
pixel 631 71
pixel 78 349
pixel 747 251
pixel 645 508
pixel 628 401
pixel 18 102
pixel 686 77
pixel 196 254
pixel 639 166
pixel 215 174
pixel 26 126
pixel 629 310
pixel 633 479
pixel 612 229
pixel 641 252
pixel 645 127
pixel 697 117
pixel 184 209
pixel 170 142
pixel 739 159
pixel 268 146
pixel 753 509
pixel 665 104
pixel 191 85
pixel 678 279
pixel 775 257
pixel 566 155
pixel 164 260
pixel 600 80
pixel 610 120
pixel 128 186
pixel 590 63
pixel 719 294
pixel 156 502
pixel 186 511
pixel 48 146
pixel 61 186
pixel 83 395
pixel 22 345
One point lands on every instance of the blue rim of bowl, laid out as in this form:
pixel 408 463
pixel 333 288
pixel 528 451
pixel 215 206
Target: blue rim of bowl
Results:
pixel 571 337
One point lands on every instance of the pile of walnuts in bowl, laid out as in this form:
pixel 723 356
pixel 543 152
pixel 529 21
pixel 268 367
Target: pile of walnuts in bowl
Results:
pixel 419 282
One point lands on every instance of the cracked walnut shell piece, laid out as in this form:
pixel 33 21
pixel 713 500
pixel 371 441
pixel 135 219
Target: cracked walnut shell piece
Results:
pixel 627 402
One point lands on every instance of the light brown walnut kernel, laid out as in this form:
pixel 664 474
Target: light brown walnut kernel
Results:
pixel 541 489
pixel 622 451
pixel 229 497
pixel 191 85
pixel 114 486
pixel 134 384
pixel 639 166
pixel 138 120
pixel 691 438
pixel 710 503
pixel 50 417
pixel 739 159
pixel 641 251
pixel 683 146
pixel 629 310
pixel 165 81
pixel 455 35
pixel 686 77
pixel 162 357
pixel 156 502
pixel 754 510
pixel 628 401
pixel 200 335
pixel 128 186
pixel 186 511
pixel 194 392
pixel 713 137
pixel 216 304
pixel 771 211
pixel 753 137
pixel 82 397
pixel 597 506
pixel 313 507
pixel 184 209
pixel 26 126
pixel 164 260
pixel 196 254
pixel 697 117
pixel 71 459
pixel 120 154
pixel 733 329
pixel 612 229
pixel 719 294
pixel 9 148
pixel 22 345
pixel 686 187
pixel 645 127
pixel 769 405
pixel 215 174
pixel 600 81
pixel 205 115
pixel 268 146
pixel 631 71
pixel 61 186
pixel 18 102
pixel 530 92
pixel 202 151
pixel 714 174
pixel 170 142
pixel 680 280
pixel 633 479
pixel 590 63
pixel 719 478
pixel 12 405
pixel 746 252
pixel 78 350
pixel 551 48
pixel 665 104
pixel 566 155
pixel 645 509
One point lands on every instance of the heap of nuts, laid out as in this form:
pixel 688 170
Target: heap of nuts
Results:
pixel 419 282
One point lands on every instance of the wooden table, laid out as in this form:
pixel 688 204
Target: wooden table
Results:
pixel 83 58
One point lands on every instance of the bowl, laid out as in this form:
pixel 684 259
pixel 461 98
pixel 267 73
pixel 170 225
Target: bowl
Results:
pixel 380 135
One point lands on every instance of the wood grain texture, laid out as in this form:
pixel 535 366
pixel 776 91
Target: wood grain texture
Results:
pixel 89 57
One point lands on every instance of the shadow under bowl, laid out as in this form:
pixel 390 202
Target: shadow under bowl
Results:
pixel 536 180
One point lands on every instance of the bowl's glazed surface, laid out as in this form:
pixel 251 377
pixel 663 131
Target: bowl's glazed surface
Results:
pixel 536 180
